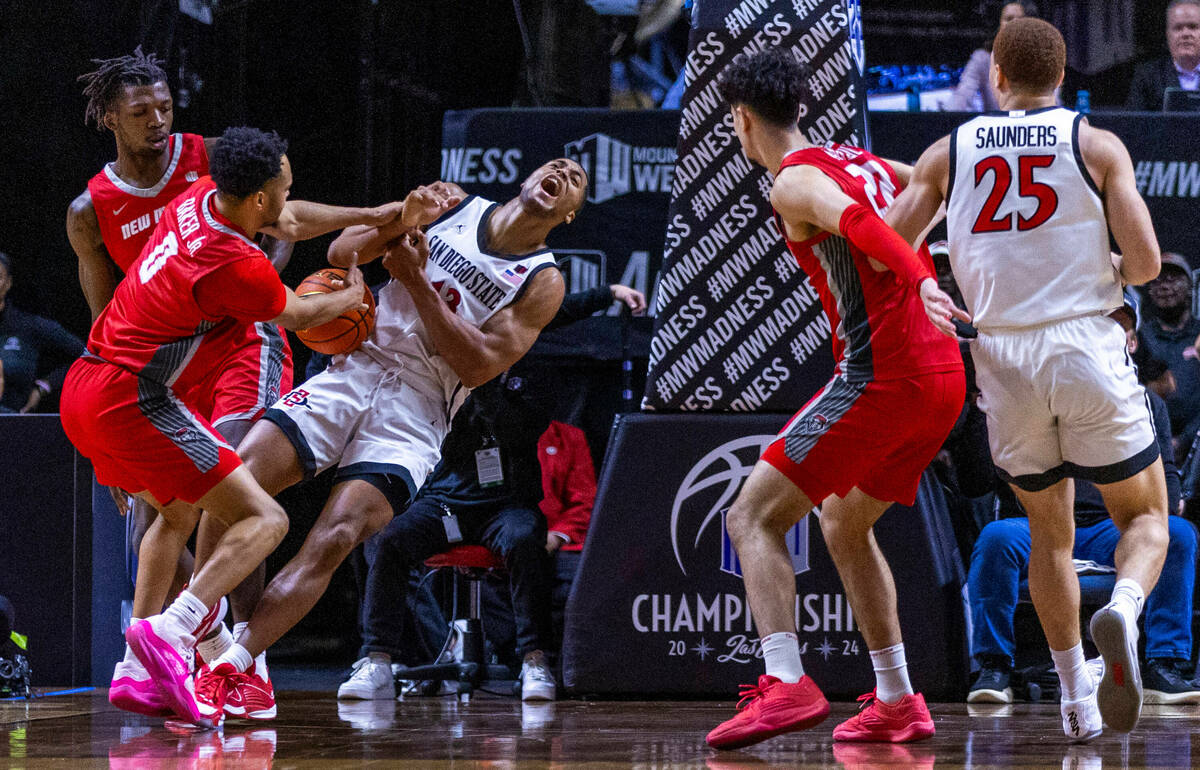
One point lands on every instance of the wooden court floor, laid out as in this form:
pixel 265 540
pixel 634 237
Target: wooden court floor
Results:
pixel 314 730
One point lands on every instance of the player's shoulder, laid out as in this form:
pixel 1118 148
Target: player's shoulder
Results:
pixel 82 211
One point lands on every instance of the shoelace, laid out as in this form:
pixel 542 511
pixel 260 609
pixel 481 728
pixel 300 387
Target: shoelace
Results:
pixel 748 693
pixel 362 671
pixel 864 712
pixel 539 673
pixel 212 688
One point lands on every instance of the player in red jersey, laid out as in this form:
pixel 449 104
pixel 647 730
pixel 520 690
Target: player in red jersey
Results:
pixel 863 441
pixel 108 224
pixel 129 404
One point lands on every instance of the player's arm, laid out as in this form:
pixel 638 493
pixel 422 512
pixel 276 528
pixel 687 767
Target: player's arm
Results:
pixel 475 354
pixel 805 195
pixel 903 171
pixel 301 220
pixel 917 206
pixel 421 207
pixel 250 290
pixel 97 273
pixel 1109 163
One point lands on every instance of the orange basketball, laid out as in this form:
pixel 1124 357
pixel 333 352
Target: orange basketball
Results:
pixel 344 333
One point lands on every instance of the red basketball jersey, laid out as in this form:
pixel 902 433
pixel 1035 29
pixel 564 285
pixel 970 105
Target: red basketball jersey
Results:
pixel 880 330
pixel 128 214
pixel 154 327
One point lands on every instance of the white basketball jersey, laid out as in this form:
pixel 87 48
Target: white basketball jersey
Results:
pixel 1028 236
pixel 473 281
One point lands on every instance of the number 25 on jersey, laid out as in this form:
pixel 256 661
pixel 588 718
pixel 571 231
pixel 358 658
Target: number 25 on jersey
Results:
pixel 990 220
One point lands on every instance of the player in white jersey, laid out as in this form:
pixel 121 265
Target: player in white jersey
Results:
pixel 466 300
pixel 1031 196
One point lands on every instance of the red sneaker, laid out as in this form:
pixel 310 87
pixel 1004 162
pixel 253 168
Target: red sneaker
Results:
pixel 212 690
pixel 905 720
pixel 771 708
pixel 251 696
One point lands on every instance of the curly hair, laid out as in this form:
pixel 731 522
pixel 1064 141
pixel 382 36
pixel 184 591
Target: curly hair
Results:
pixel 245 159
pixel 1031 54
pixel 104 86
pixel 772 82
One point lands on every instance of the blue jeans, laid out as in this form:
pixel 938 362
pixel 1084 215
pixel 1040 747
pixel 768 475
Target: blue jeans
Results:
pixel 1000 561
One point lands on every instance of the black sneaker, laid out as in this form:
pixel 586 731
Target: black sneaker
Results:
pixel 991 686
pixel 1164 683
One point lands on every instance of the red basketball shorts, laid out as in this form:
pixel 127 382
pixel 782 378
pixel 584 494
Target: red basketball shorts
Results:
pixel 252 377
pixel 877 436
pixel 140 436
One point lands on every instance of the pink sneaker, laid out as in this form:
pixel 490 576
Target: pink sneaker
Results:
pixel 169 663
pixel 133 690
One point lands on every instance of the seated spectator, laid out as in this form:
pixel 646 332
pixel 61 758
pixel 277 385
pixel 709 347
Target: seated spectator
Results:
pixel 34 352
pixel 974 92
pixel 485 489
pixel 568 493
pixel 1181 69
pixel 1168 333
pixel 1001 559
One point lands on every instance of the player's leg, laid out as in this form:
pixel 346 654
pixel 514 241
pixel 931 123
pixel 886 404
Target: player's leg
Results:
pixel 767 506
pixel 355 511
pixel 151 592
pixel 1054 588
pixel 1138 506
pixel 1108 437
pixel 244 598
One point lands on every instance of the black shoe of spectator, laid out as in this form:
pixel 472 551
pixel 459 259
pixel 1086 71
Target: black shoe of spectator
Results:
pixel 1163 682
pixel 991 686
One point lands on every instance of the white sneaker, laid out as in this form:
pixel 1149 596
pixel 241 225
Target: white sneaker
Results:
pixel 537 682
pixel 1081 718
pixel 370 681
pixel 1119 694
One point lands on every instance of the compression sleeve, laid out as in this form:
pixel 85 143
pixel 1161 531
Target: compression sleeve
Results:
pixel 862 227
pixel 248 290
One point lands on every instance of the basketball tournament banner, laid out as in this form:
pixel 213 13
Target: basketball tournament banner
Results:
pixel 659 574
pixel 738 328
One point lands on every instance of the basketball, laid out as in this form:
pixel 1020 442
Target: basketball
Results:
pixel 344 333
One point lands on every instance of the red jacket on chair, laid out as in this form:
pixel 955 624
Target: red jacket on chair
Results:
pixel 568 483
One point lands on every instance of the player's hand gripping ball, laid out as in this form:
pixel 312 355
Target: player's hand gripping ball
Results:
pixel 344 333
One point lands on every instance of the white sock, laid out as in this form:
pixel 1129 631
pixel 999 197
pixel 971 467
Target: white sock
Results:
pixel 382 658
pixel 239 628
pixel 237 656
pixel 781 652
pixel 260 665
pixel 216 644
pixel 891 673
pixel 1129 598
pixel 1076 680
pixel 186 612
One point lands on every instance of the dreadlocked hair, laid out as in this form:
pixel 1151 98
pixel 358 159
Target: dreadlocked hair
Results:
pixel 103 87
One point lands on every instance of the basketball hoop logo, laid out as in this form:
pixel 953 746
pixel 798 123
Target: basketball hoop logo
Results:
pixel 717 477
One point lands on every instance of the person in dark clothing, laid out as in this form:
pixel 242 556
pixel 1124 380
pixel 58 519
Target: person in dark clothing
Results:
pixel 1179 70
pixel 485 490
pixel 34 352
pixel 1169 334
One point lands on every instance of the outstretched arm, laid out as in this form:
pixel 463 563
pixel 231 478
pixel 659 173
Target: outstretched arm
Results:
pixel 421 207
pixel 302 220
pixel 476 354
pixel 97 273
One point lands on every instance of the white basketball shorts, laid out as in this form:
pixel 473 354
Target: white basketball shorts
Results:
pixel 1063 400
pixel 363 417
